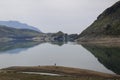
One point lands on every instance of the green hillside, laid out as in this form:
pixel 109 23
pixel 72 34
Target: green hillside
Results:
pixel 12 32
pixel 106 25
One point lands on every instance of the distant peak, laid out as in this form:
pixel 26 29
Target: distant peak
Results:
pixel 18 25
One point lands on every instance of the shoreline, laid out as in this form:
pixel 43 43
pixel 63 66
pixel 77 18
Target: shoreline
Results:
pixel 61 70
pixel 108 41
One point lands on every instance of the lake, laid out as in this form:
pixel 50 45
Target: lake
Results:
pixel 102 59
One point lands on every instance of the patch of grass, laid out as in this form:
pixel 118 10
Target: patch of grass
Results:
pixel 66 72
pixel 21 76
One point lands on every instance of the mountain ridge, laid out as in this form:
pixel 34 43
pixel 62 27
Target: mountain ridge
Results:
pixel 106 25
pixel 18 25
pixel 9 34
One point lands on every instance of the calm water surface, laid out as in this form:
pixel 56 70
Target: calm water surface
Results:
pixel 69 55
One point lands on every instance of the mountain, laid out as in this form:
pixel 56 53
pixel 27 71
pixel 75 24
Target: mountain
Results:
pixel 7 33
pixel 62 37
pixel 18 25
pixel 106 25
pixel 13 34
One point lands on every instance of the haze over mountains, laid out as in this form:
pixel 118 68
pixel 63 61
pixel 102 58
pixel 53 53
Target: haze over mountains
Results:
pixel 18 25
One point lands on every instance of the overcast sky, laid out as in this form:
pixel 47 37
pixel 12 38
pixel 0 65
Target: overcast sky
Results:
pixel 71 16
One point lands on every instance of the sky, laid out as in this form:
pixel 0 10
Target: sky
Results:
pixel 69 16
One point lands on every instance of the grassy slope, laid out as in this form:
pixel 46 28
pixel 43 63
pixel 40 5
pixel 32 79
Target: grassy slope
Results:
pixel 20 76
pixel 70 73
pixel 106 25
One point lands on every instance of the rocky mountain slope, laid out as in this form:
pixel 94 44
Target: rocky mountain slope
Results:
pixel 106 25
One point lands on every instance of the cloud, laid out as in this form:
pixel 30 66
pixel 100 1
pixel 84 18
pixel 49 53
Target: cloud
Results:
pixel 71 16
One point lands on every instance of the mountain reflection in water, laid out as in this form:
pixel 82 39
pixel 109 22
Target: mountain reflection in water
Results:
pixel 18 46
pixel 65 53
pixel 109 56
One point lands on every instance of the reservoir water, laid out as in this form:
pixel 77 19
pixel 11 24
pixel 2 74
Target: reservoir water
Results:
pixel 68 54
